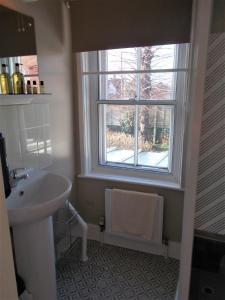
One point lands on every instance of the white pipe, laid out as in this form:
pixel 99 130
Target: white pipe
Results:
pixel 84 229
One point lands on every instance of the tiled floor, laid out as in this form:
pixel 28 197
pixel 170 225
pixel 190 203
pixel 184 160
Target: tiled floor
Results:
pixel 115 273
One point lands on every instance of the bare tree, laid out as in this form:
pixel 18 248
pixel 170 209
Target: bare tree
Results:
pixel 124 86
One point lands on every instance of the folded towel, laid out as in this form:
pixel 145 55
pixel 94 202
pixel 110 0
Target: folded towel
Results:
pixel 133 213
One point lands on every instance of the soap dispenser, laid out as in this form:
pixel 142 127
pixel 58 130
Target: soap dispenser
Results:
pixel 5 170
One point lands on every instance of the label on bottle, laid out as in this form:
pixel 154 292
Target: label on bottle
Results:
pixel 29 89
pixel 18 85
pixel 42 90
pixel 35 90
pixel 5 84
pixel 18 81
pixel 4 89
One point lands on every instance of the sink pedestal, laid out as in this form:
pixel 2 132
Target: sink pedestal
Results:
pixel 35 258
pixel 30 205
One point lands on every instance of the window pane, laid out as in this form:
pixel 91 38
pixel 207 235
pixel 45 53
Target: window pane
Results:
pixel 139 58
pixel 118 59
pixel 118 87
pixel 154 135
pixel 148 86
pixel 158 86
pixel 158 57
pixel 151 138
pixel 119 133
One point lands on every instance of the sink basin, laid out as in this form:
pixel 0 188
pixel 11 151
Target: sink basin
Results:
pixel 31 205
pixel 37 197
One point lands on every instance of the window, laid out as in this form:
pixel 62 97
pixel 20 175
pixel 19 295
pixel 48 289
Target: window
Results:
pixel 29 66
pixel 134 102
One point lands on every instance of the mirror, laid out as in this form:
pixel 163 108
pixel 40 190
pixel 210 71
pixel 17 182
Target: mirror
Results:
pixel 18 46
pixel 24 125
pixel 17 32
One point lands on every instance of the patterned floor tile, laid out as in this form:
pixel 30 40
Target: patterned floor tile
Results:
pixel 115 273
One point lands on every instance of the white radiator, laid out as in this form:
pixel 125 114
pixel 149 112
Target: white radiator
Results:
pixel 157 222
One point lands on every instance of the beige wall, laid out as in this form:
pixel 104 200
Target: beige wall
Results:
pixel 54 57
pixel 90 194
pixel 91 203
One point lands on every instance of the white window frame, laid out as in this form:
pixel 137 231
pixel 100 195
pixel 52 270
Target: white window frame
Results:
pixel 89 139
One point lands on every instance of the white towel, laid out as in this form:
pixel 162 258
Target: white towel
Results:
pixel 133 213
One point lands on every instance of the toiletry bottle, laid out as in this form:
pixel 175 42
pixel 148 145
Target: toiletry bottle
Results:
pixel 5 170
pixel 29 89
pixel 42 87
pixel 35 89
pixel 5 82
pixel 18 80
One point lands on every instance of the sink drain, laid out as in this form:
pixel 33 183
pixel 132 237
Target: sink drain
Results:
pixel 21 193
pixel 208 290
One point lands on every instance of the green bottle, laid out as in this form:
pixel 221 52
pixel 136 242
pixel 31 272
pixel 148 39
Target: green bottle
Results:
pixel 5 82
pixel 18 80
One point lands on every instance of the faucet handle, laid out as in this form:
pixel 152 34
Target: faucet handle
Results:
pixel 18 173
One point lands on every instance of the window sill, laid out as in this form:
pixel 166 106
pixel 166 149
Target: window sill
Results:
pixel 133 180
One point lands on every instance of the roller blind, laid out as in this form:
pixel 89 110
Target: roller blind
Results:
pixel 105 24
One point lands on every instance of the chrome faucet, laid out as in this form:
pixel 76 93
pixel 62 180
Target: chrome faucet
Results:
pixel 16 175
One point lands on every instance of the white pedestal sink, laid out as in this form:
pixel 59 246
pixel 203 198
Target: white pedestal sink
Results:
pixel 30 207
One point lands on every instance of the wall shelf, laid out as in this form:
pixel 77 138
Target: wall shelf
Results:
pixel 6 100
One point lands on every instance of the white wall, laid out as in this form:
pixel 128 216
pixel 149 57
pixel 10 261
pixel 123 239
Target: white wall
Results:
pixel 55 68
pixel 54 58
pixel 27 131
pixel 199 40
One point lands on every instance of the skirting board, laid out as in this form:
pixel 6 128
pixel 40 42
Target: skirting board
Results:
pixel 173 249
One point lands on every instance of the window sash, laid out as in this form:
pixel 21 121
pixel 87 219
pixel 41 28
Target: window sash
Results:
pixel 137 102
pixel 136 71
pixel 102 136
pixel 89 126
pixel 102 146
pixel 94 63
pixel 134 102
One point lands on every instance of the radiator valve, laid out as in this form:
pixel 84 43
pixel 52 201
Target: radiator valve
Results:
pixel 101 223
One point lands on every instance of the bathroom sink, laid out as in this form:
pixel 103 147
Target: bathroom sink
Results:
pixel 37 197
